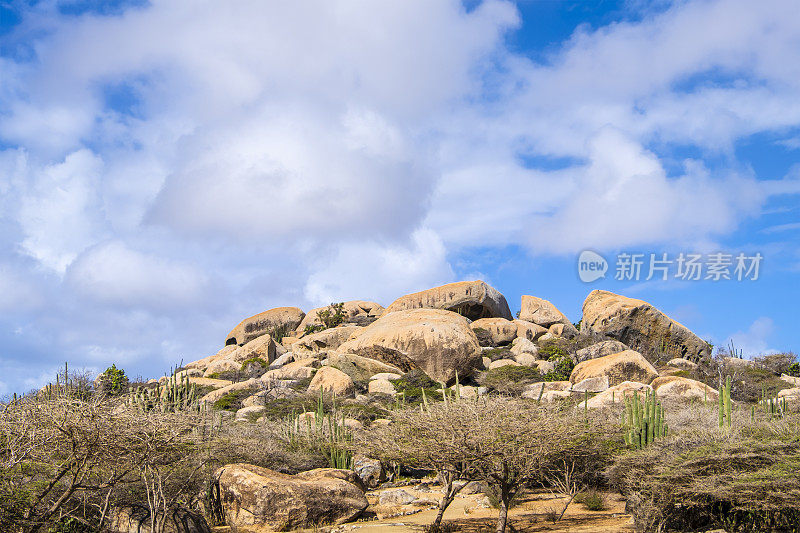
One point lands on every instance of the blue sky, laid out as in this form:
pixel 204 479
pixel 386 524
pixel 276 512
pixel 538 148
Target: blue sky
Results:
pixel 170 167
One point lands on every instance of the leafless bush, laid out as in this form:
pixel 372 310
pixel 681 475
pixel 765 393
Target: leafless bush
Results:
pixel 507 443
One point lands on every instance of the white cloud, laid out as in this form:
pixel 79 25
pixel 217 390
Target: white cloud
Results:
pixel 112 273
pixel 379 272
pixel 270 153
pixel 755 341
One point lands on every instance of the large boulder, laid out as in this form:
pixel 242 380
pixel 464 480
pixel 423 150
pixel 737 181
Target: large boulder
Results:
pixel 203 364
pixel 299 369
pixel 472 299
pixel 494 331
pixel 438 342
pixel 360 368
pixel 325 340
pixel 262 347
pixel 529 330
pixel 214 395
pixel 599 349
pixel 286 318
pixel 331 380
pixel 356 312
pixel 617 394
pixel 258 497
pixel 640 326
pixel 680 388
pixel 624 366
pixel 541 312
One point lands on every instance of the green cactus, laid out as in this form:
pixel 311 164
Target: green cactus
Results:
pixel 724 404
pixel 643 421
pixel 175 395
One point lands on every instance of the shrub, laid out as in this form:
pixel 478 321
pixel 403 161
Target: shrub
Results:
pixel 411 385
pixel 232 401
pixel 563 367
pixel 778 363
pixel 509 379
pixel 498 353
pixel 591 499
pixel 330 318
pixel 794 370
pixel 113 381
pixel 253 361
pixel 742 479
pixel 279 332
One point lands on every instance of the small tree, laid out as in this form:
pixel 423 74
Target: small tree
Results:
pixel 507 443
pixel 113 381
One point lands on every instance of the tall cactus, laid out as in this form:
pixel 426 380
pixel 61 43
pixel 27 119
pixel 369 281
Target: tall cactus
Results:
pixel 643 421
pixel 174 395
pixel 725 403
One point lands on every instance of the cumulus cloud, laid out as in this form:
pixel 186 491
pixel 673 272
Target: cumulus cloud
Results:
pixel 379 272
pixel 210 160
pixel 756 340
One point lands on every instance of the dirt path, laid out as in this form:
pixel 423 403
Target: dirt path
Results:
pixel 465 513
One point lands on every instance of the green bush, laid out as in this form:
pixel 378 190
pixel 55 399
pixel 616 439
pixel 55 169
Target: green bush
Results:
pixel 232 401
pixel 591 499
pixel 563 367
pixel 253 361
pixel 113 381
pixel 498 353
pixel 509 379
pixel 330 318
pixel 794 370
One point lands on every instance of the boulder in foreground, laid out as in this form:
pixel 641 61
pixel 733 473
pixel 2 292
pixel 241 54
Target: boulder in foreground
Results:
pixel 472 299
pixel 258 497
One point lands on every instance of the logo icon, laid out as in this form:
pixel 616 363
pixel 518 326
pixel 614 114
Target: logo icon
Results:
pixel 591 266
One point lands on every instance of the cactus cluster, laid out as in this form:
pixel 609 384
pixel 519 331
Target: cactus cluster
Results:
pixel 328 430
pixel 725 403
pixel 175 394
pixel 773 406
pixel 643 420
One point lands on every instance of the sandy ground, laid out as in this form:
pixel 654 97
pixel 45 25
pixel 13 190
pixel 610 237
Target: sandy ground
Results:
pixel 529 515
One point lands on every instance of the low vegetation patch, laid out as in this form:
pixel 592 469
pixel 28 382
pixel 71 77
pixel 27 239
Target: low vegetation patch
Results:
pixel 232 401
pixel 509 379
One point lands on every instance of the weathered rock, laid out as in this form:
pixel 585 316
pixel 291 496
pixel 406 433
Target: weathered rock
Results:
pixel 472 299
pixel 555 395
pixel 208 382
pixel 679 388
pixel 617 394
pixel 360 368
pixel 533 390
pixel 214 395
pixel 202 364
pixel 284 359
pixel 221 366
pixel 300 369
pixel 541 312
pixel 370 471
pixel 189 373
pixel 525 359
pixel 522 345
pixel 595 384
pixel 792 393
pixel 544 366
pixel 254 496
pixel 357 312
pixel 136 519
pixel 624 366
pixel 500 363
pixel 438 342
pixel 529 330
pixel 793 380
pixel 640 326
pixel 682 364
pixel 325 340
pixel 331 380
pixel 287 318
pixel 246 412
pixel 567 331
pixel 391 376
pixel 599 349
pixel 381 386
pixel 352 423
pixel 499 331
pixel 395 497
pixel 262 347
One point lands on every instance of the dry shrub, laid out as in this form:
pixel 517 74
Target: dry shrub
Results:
pixel 743 479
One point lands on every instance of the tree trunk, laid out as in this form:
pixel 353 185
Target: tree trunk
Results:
pixel 502 519
pixel 447 498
